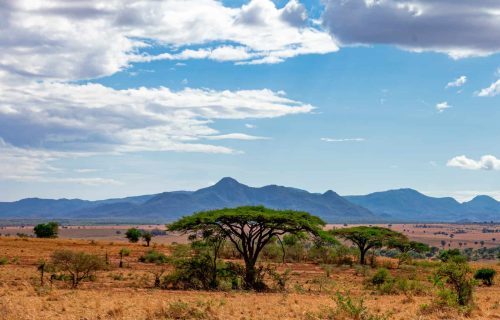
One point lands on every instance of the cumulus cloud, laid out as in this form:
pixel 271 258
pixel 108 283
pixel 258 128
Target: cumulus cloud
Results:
pixel 343 140
pixel 491 91
pixel 93 117
pixel 458 82
pixel 486 162
pixel 73 40
pixel 442 106
pixel 44 122
pixel 459 28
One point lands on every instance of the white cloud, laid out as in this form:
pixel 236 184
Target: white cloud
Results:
pixel 343 140
pixel 73 40
pixel 487 162
pixel 48 121
pixel 37 165
pixel 235 136
pixel 491 91
pixel 459 28
pixel 94 117
pixel 442 106
pixel 460 81
pixel 250 126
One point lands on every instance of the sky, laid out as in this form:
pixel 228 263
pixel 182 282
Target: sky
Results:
pixel 103 99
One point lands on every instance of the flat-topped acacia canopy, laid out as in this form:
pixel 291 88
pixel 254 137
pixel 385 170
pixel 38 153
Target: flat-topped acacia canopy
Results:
pixel 367 237
pixel 250 228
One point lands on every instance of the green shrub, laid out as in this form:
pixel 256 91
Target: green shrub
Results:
pixel 486 275
pixel 133 235
pixel 46 230
pixel 381 276
pixel 458 275
pixel 410 286
pixel 3 261
pixel 361 270
pixel 196 273
pixel 452 254
pixel 78 265
pixel 153 256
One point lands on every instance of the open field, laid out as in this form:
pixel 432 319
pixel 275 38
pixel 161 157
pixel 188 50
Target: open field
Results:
pixel 469 235
pixel 127 293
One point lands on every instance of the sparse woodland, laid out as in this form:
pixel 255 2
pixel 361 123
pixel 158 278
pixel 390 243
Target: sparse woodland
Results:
pixel 245 263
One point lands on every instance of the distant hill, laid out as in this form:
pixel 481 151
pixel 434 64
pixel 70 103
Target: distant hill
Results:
pixel 411 205
pixel 169 206
pixel 403 205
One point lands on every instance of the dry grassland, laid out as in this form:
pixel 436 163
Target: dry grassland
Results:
pixel 127 294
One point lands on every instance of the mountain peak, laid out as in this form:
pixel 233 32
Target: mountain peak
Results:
pixel 482 199
pixel 227 181
pixel 330 193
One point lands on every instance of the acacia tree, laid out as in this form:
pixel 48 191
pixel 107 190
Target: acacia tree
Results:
pixel 133 235
pixel 79 265
pixel 46 230
pixel 366 238
pixel 250 229
pixel 147 236
pixel 405 247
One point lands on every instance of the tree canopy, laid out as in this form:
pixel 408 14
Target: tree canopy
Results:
pixel 366 238
pixel 250 229
pixel 46 230
pixel 133 235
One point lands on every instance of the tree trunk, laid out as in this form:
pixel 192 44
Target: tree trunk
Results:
pixel 362 253
pixel 250 275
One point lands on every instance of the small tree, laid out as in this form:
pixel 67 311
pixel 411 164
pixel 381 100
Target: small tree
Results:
pixel 366 238
pixel 458 274
pixel 406 248
pixel 133 235
pixel 41 267
pixel 46 230
pixel 79 265
pixel 210 244
pixel 250 229
pixel 124 252
pixel 486 275
pixel 451 254
pixel 147 236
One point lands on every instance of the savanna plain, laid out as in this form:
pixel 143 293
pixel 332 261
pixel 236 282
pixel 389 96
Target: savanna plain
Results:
pixel 319 285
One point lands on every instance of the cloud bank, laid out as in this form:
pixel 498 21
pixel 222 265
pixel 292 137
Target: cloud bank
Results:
pixel 72 40
pixel 459 28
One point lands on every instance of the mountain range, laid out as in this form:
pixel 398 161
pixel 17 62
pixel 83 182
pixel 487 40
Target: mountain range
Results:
pixel 389 206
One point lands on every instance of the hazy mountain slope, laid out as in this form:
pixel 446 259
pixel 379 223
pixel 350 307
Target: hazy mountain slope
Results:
pixel 411 205
pixel 230 193
pixel 392 205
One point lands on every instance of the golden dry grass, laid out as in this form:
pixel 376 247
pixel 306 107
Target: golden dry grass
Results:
pixel 127 294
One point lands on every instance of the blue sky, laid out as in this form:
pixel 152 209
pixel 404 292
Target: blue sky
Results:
pixel 354 111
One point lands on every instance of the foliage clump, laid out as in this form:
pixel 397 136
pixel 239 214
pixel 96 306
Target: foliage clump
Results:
pixel 486 275
pixel 46 230
pixel 368 237
pixel 457 274
pixel 153 256
pixel 133 235
pixel 78 265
